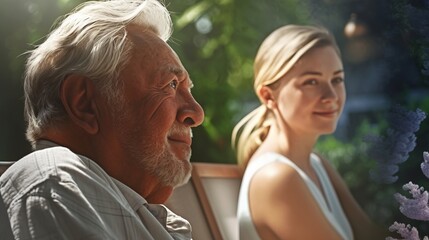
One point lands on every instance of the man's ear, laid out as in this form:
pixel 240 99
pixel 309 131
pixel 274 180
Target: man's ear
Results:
pixel 77 94
pixel 266 95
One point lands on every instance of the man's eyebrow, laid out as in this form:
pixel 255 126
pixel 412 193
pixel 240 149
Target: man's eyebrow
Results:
pixel 176 70
pixel 180 72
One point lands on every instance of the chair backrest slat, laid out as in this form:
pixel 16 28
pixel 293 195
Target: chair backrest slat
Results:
pixel 5 165
pixel 216 186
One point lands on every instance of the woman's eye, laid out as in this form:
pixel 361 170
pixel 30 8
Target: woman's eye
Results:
pixel 310 82
pixel 337 80
pixel 173 84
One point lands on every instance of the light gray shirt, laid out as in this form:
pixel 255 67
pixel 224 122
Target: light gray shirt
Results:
pixel 54 193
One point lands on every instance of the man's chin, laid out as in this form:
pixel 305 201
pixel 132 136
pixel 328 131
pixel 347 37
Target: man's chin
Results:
pixel 184 180
pixel 176 172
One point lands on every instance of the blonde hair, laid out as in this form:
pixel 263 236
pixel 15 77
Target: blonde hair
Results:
pixel 278 53
pixel 92 42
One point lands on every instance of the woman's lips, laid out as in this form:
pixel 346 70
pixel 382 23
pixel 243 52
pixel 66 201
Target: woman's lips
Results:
pixel 327 113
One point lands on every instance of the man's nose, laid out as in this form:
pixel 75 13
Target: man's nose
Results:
pixel 192 114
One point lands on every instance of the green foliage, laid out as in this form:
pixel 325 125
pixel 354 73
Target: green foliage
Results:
pixel 351 160
pixel 22 24
pixel 217 41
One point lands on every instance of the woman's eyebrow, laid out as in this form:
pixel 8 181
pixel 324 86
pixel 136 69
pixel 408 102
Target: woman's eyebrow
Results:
pixel 319 73
pixel 338 71
pixel 311 73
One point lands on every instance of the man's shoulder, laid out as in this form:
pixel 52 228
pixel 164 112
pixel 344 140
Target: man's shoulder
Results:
pixel 56 186
pixel 40 163
pixel 54 165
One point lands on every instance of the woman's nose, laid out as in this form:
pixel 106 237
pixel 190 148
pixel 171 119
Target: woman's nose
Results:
pixel 329 93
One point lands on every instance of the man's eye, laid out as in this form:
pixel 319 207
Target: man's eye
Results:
pixel 173 84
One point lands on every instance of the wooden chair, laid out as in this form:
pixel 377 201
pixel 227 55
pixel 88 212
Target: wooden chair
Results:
pixel 209 201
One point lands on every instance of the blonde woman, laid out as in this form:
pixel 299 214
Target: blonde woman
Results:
pixel 288 192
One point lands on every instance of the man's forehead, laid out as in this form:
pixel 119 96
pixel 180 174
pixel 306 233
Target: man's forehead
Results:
pixel 159 54
pixel 145 40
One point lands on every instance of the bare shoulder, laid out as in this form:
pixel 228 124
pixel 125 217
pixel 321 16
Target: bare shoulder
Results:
pixel 282 205
pixel 277 184
pixel 275 176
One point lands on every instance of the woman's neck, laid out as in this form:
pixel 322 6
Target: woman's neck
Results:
pixel 295 146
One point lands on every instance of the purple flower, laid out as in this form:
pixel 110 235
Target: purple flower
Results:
pixel 405 121
pixel 394 148
pixel 424 59
pixel 425 164
pixel 416 207
pixel 425 69
pixel 384 173
pixel 406 231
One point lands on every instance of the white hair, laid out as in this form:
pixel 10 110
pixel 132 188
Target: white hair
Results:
pixel 90 41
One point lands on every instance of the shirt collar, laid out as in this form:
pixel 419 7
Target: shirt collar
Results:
pixel 134 199
pixel 42 144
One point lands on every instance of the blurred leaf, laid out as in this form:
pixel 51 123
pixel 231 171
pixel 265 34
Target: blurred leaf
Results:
pixel 192 13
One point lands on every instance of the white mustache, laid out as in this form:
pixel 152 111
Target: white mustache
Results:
pixel 181 131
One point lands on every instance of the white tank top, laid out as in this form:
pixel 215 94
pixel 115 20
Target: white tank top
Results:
pixel 331 207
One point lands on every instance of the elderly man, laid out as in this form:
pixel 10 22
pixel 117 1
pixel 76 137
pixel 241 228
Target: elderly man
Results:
pixel 109 112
